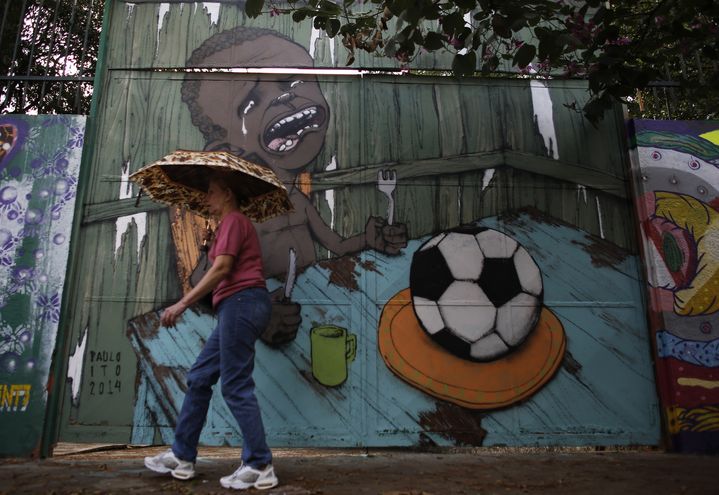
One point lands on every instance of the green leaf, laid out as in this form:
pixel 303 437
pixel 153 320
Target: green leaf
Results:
pixel 465 4
pixel 464 65
pixel 501 26
pixel 524 55
pixel 349 28
pixel 330 8
pixel 452 23
pixel 333 26
pixel 320 22
pixel 253 8
pixel 300 15
pixel 433 41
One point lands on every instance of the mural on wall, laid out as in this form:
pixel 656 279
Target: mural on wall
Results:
pixel 39 164
pixel 677 167
pixel 458 269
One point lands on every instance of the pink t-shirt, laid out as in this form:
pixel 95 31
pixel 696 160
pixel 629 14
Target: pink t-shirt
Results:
pixel 236 236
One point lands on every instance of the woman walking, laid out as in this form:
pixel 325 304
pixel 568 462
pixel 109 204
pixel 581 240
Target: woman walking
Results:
pixel 243 306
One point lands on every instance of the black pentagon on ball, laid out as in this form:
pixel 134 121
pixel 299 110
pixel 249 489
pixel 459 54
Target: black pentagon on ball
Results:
pixel 452 343
pixel 499 280
pixel 429 275
pixel 468 229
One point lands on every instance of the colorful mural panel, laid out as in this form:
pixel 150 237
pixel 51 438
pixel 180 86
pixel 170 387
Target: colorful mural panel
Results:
pixel 677 174
pixel 458 268
pixel 39 166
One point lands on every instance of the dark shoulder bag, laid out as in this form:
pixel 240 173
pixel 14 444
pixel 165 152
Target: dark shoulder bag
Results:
pixel 202 266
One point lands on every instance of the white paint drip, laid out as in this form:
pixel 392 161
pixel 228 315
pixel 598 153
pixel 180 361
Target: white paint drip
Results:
pixel 213 9
pixel 164 9
pixel 599 216
pixel 314 36
pixel 459 201
pixel 122 223
pixel 467 23
pixel 542 107
pixel 330 193
pixel 130 9
pixel 582 190
pixel 74 366
pixel 332 51
pixel 244 112
pixel 487 177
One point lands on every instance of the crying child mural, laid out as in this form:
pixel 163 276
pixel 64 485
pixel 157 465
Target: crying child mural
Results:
pixel 280 123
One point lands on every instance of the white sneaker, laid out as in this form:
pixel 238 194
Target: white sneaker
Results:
pixel 166 462
pixel 247 477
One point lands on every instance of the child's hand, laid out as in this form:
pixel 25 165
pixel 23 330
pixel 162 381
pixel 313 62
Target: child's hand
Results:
pixel 285 319
pixel 388 239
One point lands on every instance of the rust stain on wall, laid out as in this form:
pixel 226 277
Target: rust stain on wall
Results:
pixel 602 252
pixel 145 326
pixel 462 426
pixel 343 271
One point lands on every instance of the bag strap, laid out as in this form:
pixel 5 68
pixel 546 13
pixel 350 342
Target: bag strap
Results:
pixel 207 238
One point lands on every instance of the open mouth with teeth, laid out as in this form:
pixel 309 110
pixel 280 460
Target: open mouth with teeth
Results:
pixel 285 133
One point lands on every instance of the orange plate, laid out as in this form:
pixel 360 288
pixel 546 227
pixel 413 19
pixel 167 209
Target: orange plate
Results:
pixel 413 356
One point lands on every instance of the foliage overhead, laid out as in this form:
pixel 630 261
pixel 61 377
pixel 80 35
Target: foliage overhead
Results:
pixel 618 46
pixel 48 45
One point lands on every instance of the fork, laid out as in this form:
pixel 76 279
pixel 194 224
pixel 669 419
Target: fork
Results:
pixel 386 183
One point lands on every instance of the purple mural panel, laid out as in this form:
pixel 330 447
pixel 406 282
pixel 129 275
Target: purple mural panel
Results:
pixel 39 165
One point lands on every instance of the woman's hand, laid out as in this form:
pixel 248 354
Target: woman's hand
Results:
pixel 171 314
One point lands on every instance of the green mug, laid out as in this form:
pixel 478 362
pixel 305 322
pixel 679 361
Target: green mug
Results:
pixel 332 349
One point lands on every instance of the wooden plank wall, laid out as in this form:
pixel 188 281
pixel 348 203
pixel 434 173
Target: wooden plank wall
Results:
pixel 462 150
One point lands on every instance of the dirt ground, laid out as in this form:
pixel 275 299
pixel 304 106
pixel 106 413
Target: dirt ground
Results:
pixel 84 469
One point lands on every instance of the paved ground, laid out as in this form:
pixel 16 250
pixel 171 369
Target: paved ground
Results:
pixel 119 469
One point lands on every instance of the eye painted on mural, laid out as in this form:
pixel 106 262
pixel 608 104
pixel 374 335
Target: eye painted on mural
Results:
pixel 249 103
pixel 249 107
pixel 656 155
pixel 694 164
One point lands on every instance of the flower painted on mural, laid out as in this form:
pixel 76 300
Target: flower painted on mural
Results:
pixel 8 242
pixel 14 340
pixel 45 166
pixel 64 189
pixel 32 223
pixel 77 137
pixel 22 280
pixel 49 307
pixel 10 206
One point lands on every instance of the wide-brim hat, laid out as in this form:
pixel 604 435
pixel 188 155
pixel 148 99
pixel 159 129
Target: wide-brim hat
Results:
pixel 182 178
pixel 415 358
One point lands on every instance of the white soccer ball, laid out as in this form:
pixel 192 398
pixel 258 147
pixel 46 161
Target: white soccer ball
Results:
pixel 476 291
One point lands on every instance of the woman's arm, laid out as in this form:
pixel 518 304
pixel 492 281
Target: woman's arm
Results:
pixel 220 268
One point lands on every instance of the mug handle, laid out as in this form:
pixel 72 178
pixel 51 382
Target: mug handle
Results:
pixel 351 347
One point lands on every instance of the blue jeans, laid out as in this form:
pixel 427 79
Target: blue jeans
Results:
pixel 229 355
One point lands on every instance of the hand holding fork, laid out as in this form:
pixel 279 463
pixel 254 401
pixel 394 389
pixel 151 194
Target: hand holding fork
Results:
pixel 386 183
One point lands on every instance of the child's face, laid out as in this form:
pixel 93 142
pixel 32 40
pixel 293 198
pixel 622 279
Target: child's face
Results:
pixel 282 119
